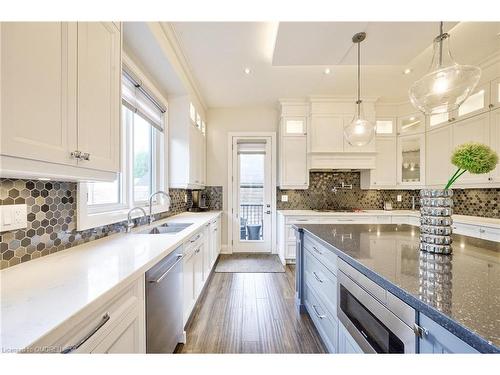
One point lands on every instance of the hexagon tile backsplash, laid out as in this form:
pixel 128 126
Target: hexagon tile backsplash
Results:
pixel 52 218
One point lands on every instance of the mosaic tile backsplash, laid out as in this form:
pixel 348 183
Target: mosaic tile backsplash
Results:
pixel 52 218
pixel 475 202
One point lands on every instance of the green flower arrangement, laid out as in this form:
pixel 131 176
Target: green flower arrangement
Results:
pixel 473 157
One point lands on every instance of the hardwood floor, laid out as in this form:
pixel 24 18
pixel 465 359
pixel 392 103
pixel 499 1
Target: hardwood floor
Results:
pixel 250 313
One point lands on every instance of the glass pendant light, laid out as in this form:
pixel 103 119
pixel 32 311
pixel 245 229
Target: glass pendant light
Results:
pixel 359 132
pixel 447 84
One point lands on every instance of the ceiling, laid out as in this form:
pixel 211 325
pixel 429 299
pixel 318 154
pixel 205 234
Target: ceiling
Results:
pixel 288 59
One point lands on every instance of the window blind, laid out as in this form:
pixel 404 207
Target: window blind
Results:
pixel 139 99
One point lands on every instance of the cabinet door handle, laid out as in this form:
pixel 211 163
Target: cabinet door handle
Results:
pixel 420 331
pixel 85 338
pixel 321 316
pixel 317 277
pixel 85 156
pixel 195 239
pixel 316 250
pixel 76 154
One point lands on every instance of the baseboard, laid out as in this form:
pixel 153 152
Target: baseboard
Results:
pixel 225 250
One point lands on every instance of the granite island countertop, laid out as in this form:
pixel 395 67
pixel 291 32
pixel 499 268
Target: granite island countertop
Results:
pixel 460 292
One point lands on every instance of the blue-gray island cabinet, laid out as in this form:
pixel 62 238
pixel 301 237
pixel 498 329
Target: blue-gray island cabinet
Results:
pixel 369 289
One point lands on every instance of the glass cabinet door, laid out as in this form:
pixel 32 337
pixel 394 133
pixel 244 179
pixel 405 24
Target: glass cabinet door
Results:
pixel 294 126
pixel 411 124
pixel 477 102
pixel 411 159
pixel 495 94
pixel 385 127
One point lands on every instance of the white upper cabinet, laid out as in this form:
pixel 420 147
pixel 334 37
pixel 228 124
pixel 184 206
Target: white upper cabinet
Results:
pixel 292 164
pixel 60 94
pixel 38 91
pixel 99 75
pixel 495 141
pixel 385 172
pixel 411 124
pixel 474 129
pixel 438 153
pixel 293 167
pixel 187 145
pixel 411 160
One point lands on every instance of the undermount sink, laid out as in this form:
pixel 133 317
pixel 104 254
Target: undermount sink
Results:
pixel 167 228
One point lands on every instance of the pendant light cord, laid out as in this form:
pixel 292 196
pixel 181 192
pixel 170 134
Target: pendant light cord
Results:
pixel 440 43
pixel 359 73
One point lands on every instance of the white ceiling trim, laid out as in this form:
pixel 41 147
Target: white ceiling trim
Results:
pixel 175 43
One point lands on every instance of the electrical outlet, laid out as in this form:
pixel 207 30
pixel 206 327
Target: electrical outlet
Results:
pixel 13 216
pixel 399 198
pixel 284 198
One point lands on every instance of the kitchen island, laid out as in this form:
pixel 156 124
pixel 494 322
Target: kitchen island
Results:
pixel 460 294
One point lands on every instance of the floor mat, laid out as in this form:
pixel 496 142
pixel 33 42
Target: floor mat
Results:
pixel 249 263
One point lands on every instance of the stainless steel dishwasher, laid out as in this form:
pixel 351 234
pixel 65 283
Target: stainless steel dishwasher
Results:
pixel 164 304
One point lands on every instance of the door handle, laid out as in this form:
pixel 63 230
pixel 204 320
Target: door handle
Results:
pixel 179 258
pixel 317 277
pixel 103 321
pixel 321 316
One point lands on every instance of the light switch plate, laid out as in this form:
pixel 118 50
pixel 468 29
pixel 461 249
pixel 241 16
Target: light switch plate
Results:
pixel 284 198
pixel 13 216
pixel 399 198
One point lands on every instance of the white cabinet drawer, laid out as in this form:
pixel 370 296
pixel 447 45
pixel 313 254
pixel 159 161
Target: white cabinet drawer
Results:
pixel 325 256
pixel 385 219
pixel 321 281
pixel 490 234
pixel 414 220
pixel 467 230
pixel 324 321
pixel 96 323
pixel 400 219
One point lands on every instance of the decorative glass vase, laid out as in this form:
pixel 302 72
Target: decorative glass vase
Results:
pixel 436 208
pixel 435 276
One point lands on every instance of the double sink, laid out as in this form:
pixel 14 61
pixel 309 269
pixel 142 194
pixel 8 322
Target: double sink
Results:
pixel 167 228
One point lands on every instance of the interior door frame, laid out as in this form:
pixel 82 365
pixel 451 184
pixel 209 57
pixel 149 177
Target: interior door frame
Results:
pixel 230 209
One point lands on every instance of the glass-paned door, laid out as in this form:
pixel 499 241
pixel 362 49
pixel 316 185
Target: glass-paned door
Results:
pixel 252 229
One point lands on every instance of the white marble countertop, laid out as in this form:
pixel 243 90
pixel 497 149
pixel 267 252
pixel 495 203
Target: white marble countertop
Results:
pixel 39 295
pixel 463 219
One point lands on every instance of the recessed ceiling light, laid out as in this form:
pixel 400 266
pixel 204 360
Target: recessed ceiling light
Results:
pixel 247 71
pixel 327 71
pixel 412 118
pixel 407 71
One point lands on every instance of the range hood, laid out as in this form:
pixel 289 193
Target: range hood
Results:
pixel 341 160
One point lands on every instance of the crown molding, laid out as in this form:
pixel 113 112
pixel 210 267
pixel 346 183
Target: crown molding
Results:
pixel 175 44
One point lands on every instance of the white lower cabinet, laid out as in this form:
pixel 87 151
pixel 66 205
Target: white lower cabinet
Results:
pixel 346 343
pixel 117 325
pixel 200 254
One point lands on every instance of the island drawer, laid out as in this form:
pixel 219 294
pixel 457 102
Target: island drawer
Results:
pixel 322 281
pixel 324 321
pixel 327 257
